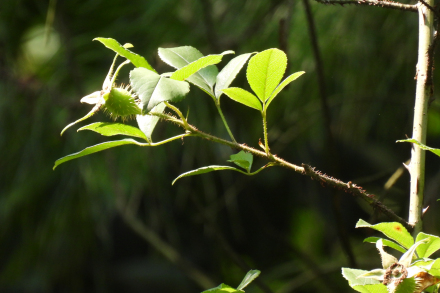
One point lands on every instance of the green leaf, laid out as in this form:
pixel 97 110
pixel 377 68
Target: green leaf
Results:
pixel 386 258
pixel 181 56
pixel 393 230
pixel 265 71
pixel 244 97
pixel 386 242
pixel 97 148
pixel 376 274
pixel 422 146
pixel 110 129
pixel 408 285
pixel 207 169
pixel 147 123
pixel 250 276
pixel 154 89
pixel 136 59
pixel 188 70
pixel 376 288
pixel 222 288
pixel 242 159
pixel 428 248
pixel 351 275
pixel 435 268
pixel 282 85
pixel 408 256
pixel 229 72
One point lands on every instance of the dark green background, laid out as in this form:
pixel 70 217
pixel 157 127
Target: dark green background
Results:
pixel 60 230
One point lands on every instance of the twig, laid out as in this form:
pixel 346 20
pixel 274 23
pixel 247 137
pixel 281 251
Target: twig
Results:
pixel 304 169
pixel 384 4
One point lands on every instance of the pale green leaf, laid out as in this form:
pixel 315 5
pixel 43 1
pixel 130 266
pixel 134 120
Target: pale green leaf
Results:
pixel 136 59
pixel 188 70
pixel 386 242
pixel 407 257
pixel 244 97
pixel 242 159
pixel 110 129
pixel 265 71
pixel 351 275
pixel 376 288
pixel 223 288
pixel 182 56
pixel 435 268
pixel 408 285
pixel 376 274
pixel 229 72
pixel 154 89
pixel 422 146
pixel 207 169
pixel 282 85
pixel 147 123
pixel 250 276
pixel 393 230
pixel 386 258
pixel 428 248
pixel 97 148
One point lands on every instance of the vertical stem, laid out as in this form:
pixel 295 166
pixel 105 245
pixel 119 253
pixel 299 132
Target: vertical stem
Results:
pixel 217 104
pixel 423 93
pixel 266 143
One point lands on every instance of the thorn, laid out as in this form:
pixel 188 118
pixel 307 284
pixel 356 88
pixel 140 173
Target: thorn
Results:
pixel 261 144
pixel 407 166
pixel 424 210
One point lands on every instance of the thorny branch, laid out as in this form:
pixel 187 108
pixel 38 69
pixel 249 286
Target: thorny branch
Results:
pixel 323 179
pixel 381 3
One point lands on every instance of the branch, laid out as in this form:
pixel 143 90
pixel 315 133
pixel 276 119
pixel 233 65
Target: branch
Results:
pixel 349 187
pixel 384 4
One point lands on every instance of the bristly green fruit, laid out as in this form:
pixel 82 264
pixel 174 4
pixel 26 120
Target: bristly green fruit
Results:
pixel 120 102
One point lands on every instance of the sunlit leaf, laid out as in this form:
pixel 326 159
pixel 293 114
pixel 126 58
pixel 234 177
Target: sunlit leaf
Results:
pixel 207 169
pixel 265 71
pixel 407 257
pixel 136 59
pixel 376 274
pixel 181 56
pixel 422 146
pixel 229 72
pixel 250 276
pixel 386 242
pixel 96 148
pixel 408 285
pixel 244 97
pixel 110 129
pixel 351 275
pixel 282 85
pixel 393 230
pixel 243 159
pixel 154 89
pixel 147 123
pixel 223 288
pixel 376 288
pixel 386 258
pixel 190 69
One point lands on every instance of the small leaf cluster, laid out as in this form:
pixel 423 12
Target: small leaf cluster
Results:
pixel 223 288
pixel 414 272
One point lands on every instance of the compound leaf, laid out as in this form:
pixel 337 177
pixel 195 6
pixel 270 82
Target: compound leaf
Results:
pixel 147 123
pixel 154 89
pixel 393 230
pixel 110 129
pixel 386 242
pixel 428 248
pixel 229 72
pixel 282 85
pixel 244 97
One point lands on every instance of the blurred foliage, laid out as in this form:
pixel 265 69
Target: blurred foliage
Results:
pixel 60 230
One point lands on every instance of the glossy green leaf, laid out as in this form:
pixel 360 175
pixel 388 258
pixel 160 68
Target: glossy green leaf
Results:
pixel 147 123
pixel 188 70
pixel 97 148
pixel 422 146
pixel 182 56
pixel 250 276
pixel 282 85
pixel 110 129
pixel 136 59
pixel 244 97
pixel 154 89
pixel 386 242
pixel 223 288
pixel 229 72
pixel 393 230
pixel 265 71
pixel 243 160
pixel 207 169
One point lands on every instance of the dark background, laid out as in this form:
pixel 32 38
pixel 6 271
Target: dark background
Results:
pixel 62 231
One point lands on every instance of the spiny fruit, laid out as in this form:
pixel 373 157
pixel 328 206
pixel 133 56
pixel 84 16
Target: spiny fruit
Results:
pixel 120 102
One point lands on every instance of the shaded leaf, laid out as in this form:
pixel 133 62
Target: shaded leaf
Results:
pixel 207 169
pixel 222 288
pixel 386 242
pixel 250 276
pixel 243 160
pixel 422 146
pixel 188 70
pixel 181 56
pixel 147 123
pixel 97 148
pixel 265 71
pixel 229 72
pixel 376 288
pixel 244 97
pixel 154 89
pixel 110 129
pixel 393 230
pixel 282 85
pixel 136 59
